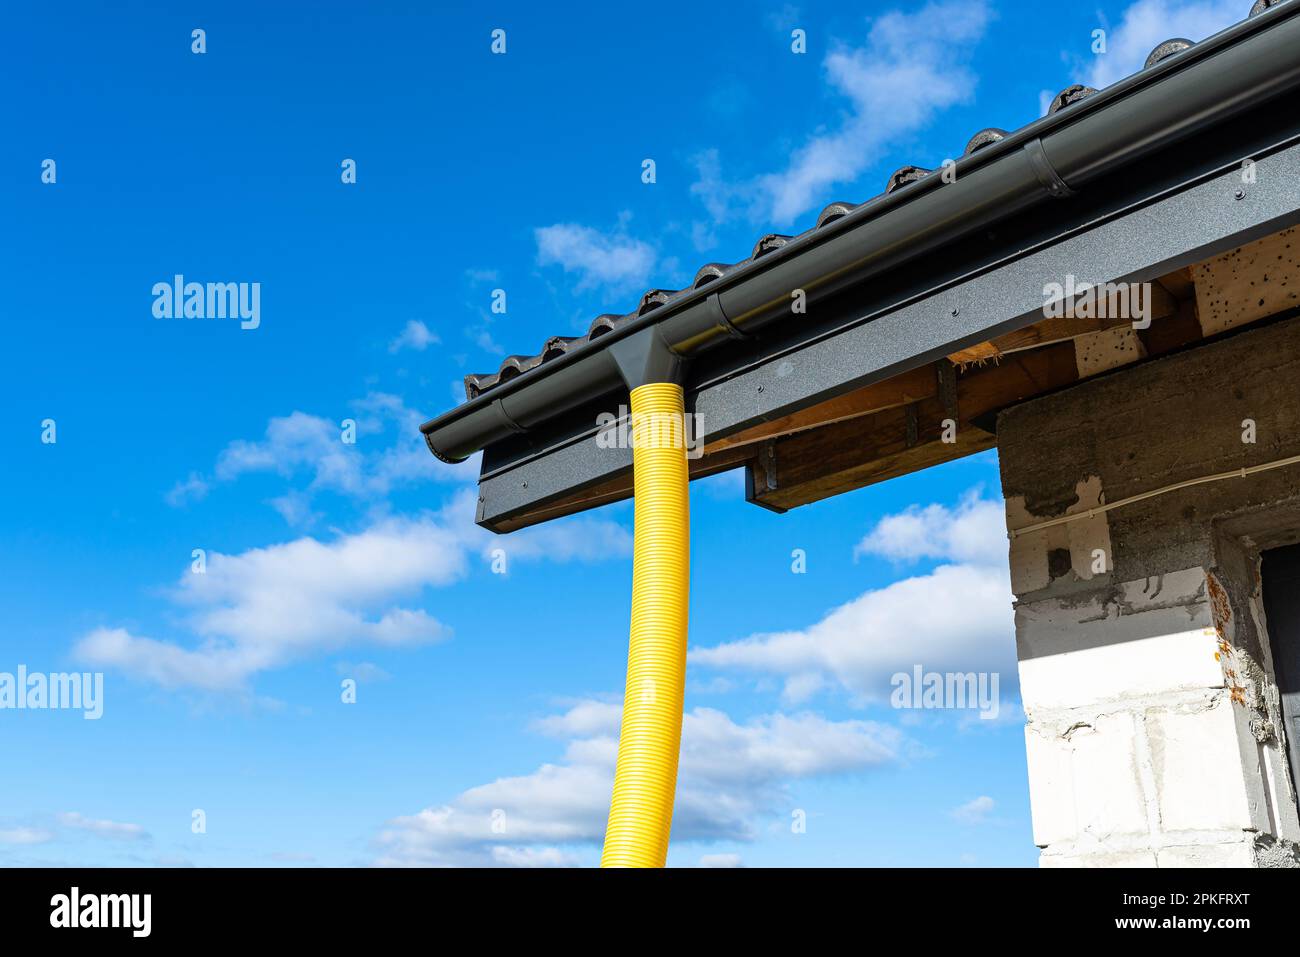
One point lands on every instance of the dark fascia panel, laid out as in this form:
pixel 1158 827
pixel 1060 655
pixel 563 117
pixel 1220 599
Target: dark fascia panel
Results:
pixel 1187 92
pixel 1174 228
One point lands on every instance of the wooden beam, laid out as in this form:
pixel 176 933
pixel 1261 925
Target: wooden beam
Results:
pixel 979 353
pixel 1249 283
pixel 1172 332
pixel 836 458
pixel 922 383
pixel 1179 283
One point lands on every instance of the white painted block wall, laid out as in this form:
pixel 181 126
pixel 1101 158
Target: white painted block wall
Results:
pixel 1137 754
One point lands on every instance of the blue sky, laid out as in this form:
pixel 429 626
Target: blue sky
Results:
pixel 487 704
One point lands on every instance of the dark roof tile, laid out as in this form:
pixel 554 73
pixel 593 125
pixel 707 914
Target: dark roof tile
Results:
pixel 768 243
pixel 606 323
pixel 833 212
pixel 710 272
pixel 477 383
pixel 1070 95
pixel 557 346
pixel 517 365
pixel 1167 49
pixel 654 299
pixel 907 174
pixel 984 138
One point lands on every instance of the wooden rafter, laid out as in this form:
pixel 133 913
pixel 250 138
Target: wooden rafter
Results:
pixel 818 463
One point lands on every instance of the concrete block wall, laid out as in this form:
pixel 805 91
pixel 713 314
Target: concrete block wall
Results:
pixel 1154 732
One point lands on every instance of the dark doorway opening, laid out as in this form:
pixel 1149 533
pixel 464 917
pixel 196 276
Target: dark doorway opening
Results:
pixel 1280 577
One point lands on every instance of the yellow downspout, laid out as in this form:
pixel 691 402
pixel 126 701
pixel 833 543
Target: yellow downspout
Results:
pixel 645 780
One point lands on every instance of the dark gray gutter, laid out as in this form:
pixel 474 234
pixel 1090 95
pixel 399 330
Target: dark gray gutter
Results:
pixel 1056 156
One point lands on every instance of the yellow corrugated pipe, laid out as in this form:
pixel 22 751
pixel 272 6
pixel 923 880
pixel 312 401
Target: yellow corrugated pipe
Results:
pixel 645 780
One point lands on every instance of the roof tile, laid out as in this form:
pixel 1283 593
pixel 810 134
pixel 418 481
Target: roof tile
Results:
pixel 1167 49
pixel 907 174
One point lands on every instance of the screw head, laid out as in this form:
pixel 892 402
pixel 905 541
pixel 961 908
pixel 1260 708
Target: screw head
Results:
pixel 1239 193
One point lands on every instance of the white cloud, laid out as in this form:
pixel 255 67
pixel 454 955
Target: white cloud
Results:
pixel 956 618
pixel 295 508
pixel 532 857
pixel 721 860
pixel 584 719
pixel 711 190
pixel 614 261
pixel 973 532
pixel 912 66
pixel 731 776
pixel 389 452
pixel 103 828
pixel 1148 23
pixel 1045 98
pixel 25 836
pixel 976 811
pixel 193 489
pixel 301 442
pixel 579 539
pixel 366 672
pixel 414 335
pixel 266 607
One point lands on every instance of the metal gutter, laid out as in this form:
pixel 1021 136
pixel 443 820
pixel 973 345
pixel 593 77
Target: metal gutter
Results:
pixel 1056 156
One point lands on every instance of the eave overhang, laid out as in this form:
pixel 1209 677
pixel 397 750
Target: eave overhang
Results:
pixel 1127 185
